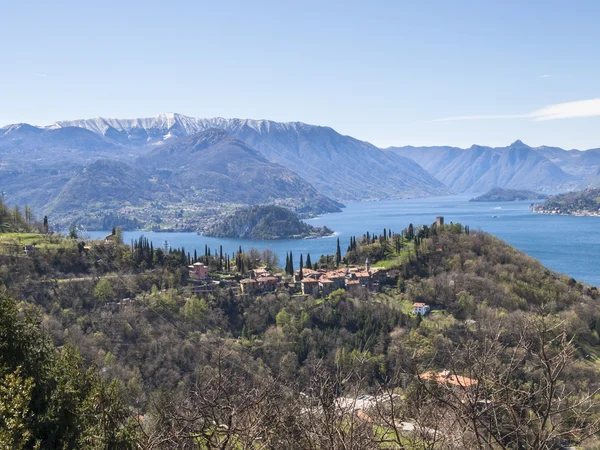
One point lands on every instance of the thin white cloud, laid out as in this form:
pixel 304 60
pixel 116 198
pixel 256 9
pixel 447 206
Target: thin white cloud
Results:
pixel 545 76
pixel 569 110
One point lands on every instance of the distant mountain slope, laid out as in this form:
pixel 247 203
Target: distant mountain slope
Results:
pixel 52 145
pixel 105 184
pixel 479 168
pixel 581 164
pixel 219 166
pixel 339 166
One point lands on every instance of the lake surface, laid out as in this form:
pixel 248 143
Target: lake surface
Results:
pixel 566 244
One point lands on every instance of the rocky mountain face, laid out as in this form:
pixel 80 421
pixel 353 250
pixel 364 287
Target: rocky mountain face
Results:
pixel 340 167
pixel 74 172
pixel 479 168
pixel 217 166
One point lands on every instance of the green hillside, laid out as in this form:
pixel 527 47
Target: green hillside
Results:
pixel 263 223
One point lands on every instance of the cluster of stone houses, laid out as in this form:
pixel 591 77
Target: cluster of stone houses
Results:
pixel 314 282
pixel 323 282
pixel 261 280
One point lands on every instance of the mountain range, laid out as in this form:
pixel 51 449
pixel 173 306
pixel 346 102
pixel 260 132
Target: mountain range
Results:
pixel 173 171
pixel 518 166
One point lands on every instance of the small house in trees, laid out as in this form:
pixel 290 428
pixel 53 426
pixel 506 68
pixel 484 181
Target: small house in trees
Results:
pixel 421 308
pixel 448 378
pixel 29 249
pixel 198 270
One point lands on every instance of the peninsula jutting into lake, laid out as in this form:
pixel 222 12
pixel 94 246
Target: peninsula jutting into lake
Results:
pixel 508 195
pixel 580 203
pixel 265 222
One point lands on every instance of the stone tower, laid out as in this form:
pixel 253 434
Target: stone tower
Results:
pixel 439 221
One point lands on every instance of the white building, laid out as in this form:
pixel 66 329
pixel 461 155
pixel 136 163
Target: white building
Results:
pixel 420 308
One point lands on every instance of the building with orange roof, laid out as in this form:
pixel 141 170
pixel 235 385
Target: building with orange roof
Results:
pixel 420 308
pixel 448 378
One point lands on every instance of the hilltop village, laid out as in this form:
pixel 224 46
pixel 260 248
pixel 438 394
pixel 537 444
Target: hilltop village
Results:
pixel 318 280
pixel 318 283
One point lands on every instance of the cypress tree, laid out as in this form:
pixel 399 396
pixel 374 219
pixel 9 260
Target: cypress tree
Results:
pixel 291 264
pixel 221 257
pixel 195 256
pixel 308 263
pixel 300 274
pixel 338 254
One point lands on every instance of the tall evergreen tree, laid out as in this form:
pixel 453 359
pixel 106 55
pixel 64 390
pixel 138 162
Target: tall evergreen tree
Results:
pixel 300 274
pixel 308 262
pixel 338 253
pixel 291 264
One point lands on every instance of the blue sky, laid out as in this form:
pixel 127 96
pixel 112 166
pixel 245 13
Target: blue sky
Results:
pixel 393 73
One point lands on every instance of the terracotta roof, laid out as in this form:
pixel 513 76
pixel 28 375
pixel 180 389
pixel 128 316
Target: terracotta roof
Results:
pixel 247 281
pixel 309 281
pixel 362 274
pixel 353 282
pixel 445 377
pixel 326 280
pixel 335 275
pixel 419 304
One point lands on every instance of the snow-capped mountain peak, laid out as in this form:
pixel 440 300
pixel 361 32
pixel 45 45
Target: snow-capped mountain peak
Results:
pixel 168 125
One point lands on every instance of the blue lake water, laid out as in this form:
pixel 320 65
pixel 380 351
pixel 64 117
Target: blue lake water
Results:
pixel 565 244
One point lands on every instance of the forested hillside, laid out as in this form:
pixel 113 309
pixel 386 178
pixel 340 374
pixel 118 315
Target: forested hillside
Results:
pixel 508 195
pixel 265 222
pixel 579 203
pixel 508 349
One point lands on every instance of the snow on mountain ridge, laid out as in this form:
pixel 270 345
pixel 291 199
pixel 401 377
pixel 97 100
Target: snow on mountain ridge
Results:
pixel 167 125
